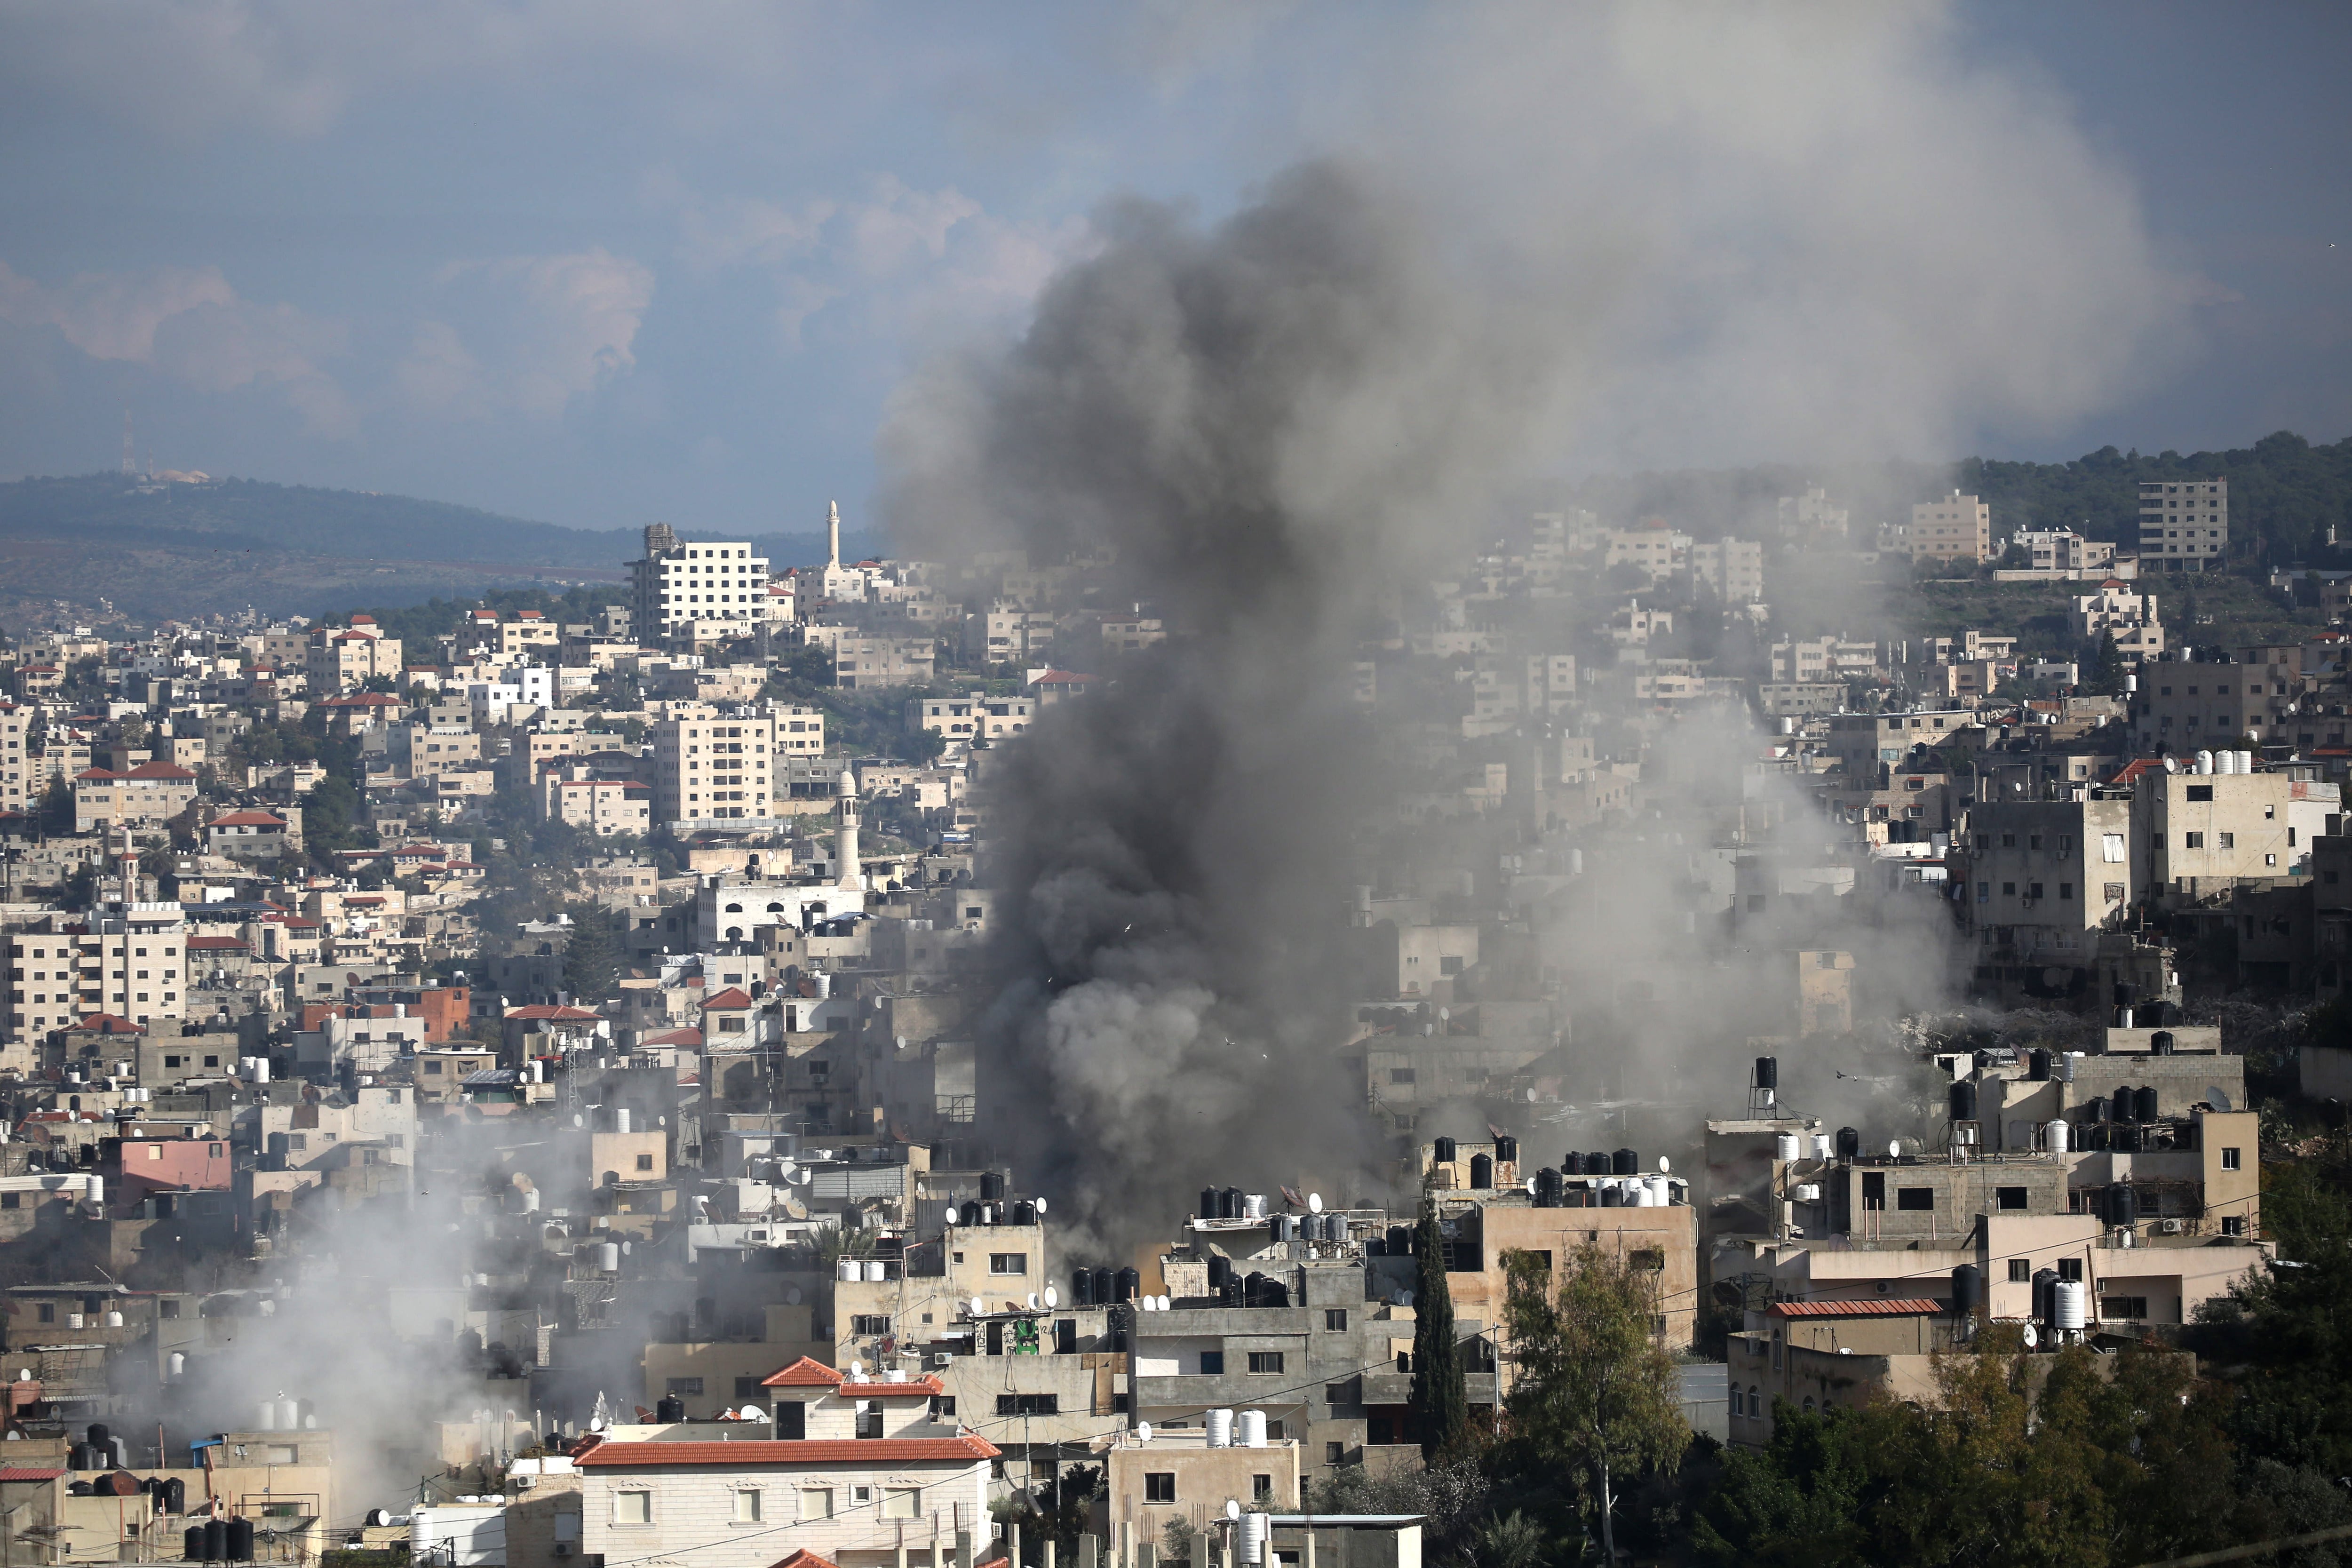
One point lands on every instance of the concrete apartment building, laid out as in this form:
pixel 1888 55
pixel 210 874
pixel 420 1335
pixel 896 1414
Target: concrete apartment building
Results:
pixel 1953 528
pixel 2042 876
pixel 2063 553
pixel 2184 526
pixel 1653 549
pixel 124 960
pixel 2121 611
pixel 2201 834
pixel 145 796
pixel 2182 708
pixel 345 659
pixel 1733 569
pixel 713 768
pixel 865 663
pixel 678 587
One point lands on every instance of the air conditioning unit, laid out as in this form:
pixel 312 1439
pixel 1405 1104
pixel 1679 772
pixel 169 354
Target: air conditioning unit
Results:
pixel 563 1549
pixel 523 1483
pixel 943 1358
pixel 2168 1228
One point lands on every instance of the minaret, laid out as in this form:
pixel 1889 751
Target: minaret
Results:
pixel 832 528
pixel 846 833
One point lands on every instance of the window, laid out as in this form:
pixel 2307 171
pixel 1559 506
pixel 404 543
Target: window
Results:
pixel 1265 1363
pixel 1400 1075
pixel 1915 1199
pixel 1335 1394
pixel 2123 1306
pixel 1159 1485
pixel 49 1313
pixel 1334 1319
pixel 2021 1271
pixel 816 1503
pixel 2113 892
pixel 1213 1363
pixel 747 1507
pixel 633 1508
pixel 1335 1453
pixel 902 1502
pixel 2226 840
pixel 1262 1488
pixel 1028 1404
pixel 686 1388
pixel 2192 841
pixel 2009 889
pixel 2066 890
pixel 2228 1158
pixel 869 1324
pixel 2070 1268
pixel 2233 1225
pixel 167 1308
pixel 1008 1263
pixel 2010 1197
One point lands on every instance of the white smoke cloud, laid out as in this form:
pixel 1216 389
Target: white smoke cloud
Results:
pixel 537 331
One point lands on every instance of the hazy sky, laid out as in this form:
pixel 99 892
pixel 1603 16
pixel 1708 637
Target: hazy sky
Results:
pixel 598 263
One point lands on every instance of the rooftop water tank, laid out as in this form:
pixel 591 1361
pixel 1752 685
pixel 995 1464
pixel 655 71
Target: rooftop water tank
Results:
pixel 1481 1171
pixel 2070 1304
pixel 1253 1429
pixel 1444 1150
pixel 1787 1147
pixel 1221 1428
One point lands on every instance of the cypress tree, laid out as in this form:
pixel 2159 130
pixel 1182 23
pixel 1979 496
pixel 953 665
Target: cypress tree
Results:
pixel 1440 1398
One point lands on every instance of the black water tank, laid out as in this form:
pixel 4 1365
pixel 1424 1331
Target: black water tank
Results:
pixel 1768 1072
pixel 1571 1163
pixel 1025 1213
pixel 2124 993
pixel 1445 1151
pixel 1625 1163
pixel 1104 1283
pixel 2123 1206
pixel 1221 1269
pixel 171 1497
pixel 2160 1044
pixel 669 1409
pixel 2045 1294
pixel 2037 1066
pixel 1481 1171
pixel 1613 1197
pixel 2144 1103
pixel 99 1436
pixel 215 1540
pixel 1964 1101
pixel 192 1543
pixel 1232 1203
pixel 82 1456
pixel 1849 1144
pixel 1208 1200
pixel 240 1541
pixel 1278 1293
pixel 1082 1287
pixel 971 1211
pixel 2126 1137
pixel 1066 1336
pixel 2094 1108
pixel 1231 1293
pixel 1551 1186
pixel 1400 1241
pixel 1507 1148
pixel 992 1186
pixel 1967 1289
pixel 1596 1164
pixel 1254 1291
pixel 1125 1287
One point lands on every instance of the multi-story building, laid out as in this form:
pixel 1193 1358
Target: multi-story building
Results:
pixel 800 731
pixel 21 780
pixel 1952 528
pixel 2121 611
pixel 601 806
pixel 2185 707
pixel 710 767
pixel 1733 569
pixel 2041 876
pixel 147 797
pixel 680 587
pixel 344 658
pixel 1653 549
pixel 122 960
pixel 2200 833
pixel 2184 526
pixel 2065 551
pixel 868 662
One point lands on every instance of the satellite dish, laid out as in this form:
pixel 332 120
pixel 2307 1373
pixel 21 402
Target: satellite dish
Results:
pixel 1315 1203
pixel 2217 1097
pixel 857 1369
pixel 1664 1165
pixel 1033 1301
pixel 1143 1431
pixel 952 1214
pixel 1041 1206
pixel 1052 1298
pixel 979 1307
pixel 902 1042
pixel 791 1295
pixel 1233 1509
pixel 1895 1148
pixel 784 1169
pixel 1163 1304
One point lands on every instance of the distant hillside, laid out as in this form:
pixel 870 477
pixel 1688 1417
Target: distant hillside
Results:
pixel 173 550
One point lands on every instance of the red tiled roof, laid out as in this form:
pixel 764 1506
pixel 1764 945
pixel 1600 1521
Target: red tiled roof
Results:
pixel 804 1558
pixel 540 1010
pixel 247 819
pixel 804 1373
pixel 218 944
pixel 161 770
pixel 26 1473
pixel 107 1023
pixel 2130 772
pixel 675 1038
pixel 1901 1307
pixel 803 1451
pixel 730 998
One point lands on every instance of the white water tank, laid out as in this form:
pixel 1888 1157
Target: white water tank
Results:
pixel 1660 1195
pixel 289 1414
pixel 608 1257
pixel 874 1271
pixel 1252 1432
pixel 620 1120
pixel 179 1365
pixel 113 1319
pixel 1786 1147
pixel 1254 1207
pixel 2204 763
pixel 2056 1135
pixel 97 1191
pixel 1221 1428
pixel 846 1270
pixel 73 1320
pixel 2245 761
pixel 531 1200
pixel 1820 1146
pixel 2073 1303
pixel 1253 1528
pixel 261 1069
pixel 1809 1193
pixel 267 1417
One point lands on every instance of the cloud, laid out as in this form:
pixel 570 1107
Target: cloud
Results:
pixel 527 334
pixel 908 263
pixel 190 325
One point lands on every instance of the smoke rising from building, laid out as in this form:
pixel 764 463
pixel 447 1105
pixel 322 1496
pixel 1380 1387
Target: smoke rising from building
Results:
pixel 1631 235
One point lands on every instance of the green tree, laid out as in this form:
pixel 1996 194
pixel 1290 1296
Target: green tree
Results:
pixel 591 960
pixel 1441 1400
pixel 2106 676
pixel 1803 1501
pixel 57 806
pixel 1594 1393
